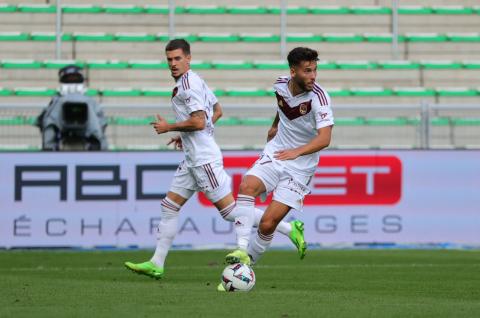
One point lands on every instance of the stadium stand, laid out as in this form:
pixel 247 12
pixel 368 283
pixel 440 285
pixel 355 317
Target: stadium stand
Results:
pixel 121 47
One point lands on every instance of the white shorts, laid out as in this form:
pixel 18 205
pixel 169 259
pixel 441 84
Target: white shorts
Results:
pixel 210 179
pixel 288 187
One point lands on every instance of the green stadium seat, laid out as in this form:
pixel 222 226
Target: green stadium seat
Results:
pixel 106 64
pixel 463 37
pixel 5 92
pixel 386 121
pixel 98 36
pixel 326 65
pixel 201 65
pixel 147 64
pixel 290 10
pixel 259 37
pixel 212 9
pixel 271 65
pixel 228 121
pixel 414 10
pixel 135 37
pixel 256 121
pixel 370 10
pixel 219 92
pixel 247 10
pixel 356 65
pixel 92 92
pixel 349 121
pixel 413 91
pixel 471 64
pixel 12 121
pixel 14 36
pixel 5 7
pixel 158 9
pixel 164 37
pixel 329 10
pixel 371 91
pixel 448 65
pixel 49 36
pixel 37 8
pixel 81 8
pixel 163 92
pixel 246 92
pixel 122 9
pixel 56 64
pixel 342 37
pixel 440 121
pixel 425 37
pixel 466 121
pixel 303 37
pixel 338 92
pixel 381 37
pixel 16 64
pixel 121 92
pixel 456 92
pixel 232 65
pixel 132 121
pixel 398 65
pixel 453 9
pixel 35 91
pixel 218 37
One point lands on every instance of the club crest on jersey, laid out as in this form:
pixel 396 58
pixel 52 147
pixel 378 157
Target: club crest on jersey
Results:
pixel 303 108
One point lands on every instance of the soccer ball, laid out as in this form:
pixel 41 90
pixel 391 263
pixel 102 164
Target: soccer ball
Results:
pixel 238 277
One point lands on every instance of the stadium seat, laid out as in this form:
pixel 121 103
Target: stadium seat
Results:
pixel 121 92
pixel 303 37
pixel 244 92
pixel 14 36
pixel 163 92
pixel 447 65
pixel 329 10
pixel 135 37
pixel 232 65
pixel 212 9
pixel 271 65
pixel 35 91
pixel 371 91
pixel 218 37
pixel 246 10
pixel 5 92
pixel 5 8
pixel 452 9
pixel 37 8
pixel 290 10
pixel 19 64
pixel 259 37
pixel 466 121
pixel 349 121
pixel 370 10
pixel 398 65
pixel 342 37
pixel 49 36
pixel 414 10
pixel 99 36
pixel 147 64
pixel 456 92
pixel 122 9
pixel 104 64
pixel 386 121
pixel 425 37
pixel 414 91
pixel 356 65
pixel 81 8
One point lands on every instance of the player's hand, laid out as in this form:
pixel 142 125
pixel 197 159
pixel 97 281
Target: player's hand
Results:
pixel 288 154
pixel 161 125
pixel 177 142
pixel 272 132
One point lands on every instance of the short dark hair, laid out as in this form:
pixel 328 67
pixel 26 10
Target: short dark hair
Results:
pixel 301 54
pixel 178 44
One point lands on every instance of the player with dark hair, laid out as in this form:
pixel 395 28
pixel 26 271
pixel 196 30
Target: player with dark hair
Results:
pixel 302 127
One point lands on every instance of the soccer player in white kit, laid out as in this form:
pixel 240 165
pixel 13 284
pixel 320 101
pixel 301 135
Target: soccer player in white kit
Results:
pixel 195 107
pixel 302 127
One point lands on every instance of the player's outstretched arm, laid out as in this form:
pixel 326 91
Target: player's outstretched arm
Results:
pixel 196 121
pixel 320 141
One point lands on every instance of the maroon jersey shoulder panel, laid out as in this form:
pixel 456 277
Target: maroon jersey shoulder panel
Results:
pixel 174 92
pixel 293 112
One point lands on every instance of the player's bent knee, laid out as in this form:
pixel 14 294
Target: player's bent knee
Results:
pixel 267 227
pixel 248 189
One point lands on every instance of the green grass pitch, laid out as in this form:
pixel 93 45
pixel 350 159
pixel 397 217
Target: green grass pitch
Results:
pixel 328 283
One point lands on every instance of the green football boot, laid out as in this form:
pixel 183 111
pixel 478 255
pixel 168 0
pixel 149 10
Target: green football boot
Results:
pixel 145 268
pixel 297 238
pixel 220 288
pixel 237 256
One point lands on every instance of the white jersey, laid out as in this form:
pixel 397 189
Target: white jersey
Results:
pixel 192 94
pixel 300 118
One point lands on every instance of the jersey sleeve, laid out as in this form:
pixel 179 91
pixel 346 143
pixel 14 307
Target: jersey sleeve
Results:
pixel 194 96
pixel 211 98
pixel 323 110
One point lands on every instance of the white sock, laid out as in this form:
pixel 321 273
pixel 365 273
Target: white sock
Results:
pixel 244 213
pixel 229 214
pixel 259 245
pixel 167 229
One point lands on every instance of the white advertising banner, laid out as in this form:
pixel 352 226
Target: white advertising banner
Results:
pixel 113 199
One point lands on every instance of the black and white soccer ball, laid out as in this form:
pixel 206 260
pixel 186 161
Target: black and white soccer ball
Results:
pixel 238 277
